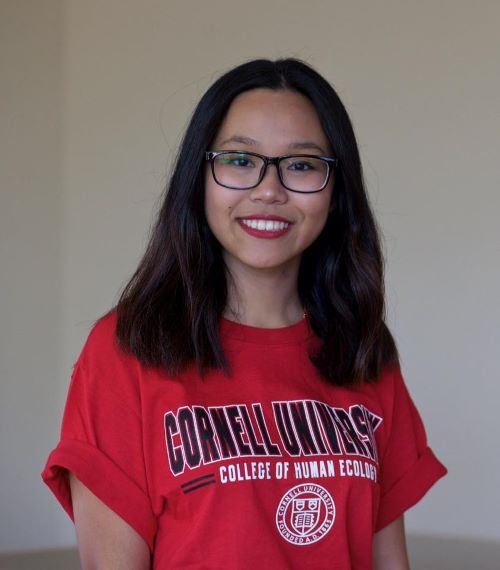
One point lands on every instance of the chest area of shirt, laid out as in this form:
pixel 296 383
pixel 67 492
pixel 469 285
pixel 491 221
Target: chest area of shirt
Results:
pixel 228 435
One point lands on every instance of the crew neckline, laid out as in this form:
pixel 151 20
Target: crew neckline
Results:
pixel 298 332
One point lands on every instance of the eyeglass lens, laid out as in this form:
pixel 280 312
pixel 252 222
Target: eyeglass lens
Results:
pixel 241 170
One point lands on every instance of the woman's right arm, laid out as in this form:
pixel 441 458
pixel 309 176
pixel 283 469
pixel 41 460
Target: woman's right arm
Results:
pixel 105 540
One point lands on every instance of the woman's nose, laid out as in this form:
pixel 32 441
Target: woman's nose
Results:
pixel 270 189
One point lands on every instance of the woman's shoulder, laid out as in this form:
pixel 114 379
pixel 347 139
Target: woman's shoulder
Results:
pixel 103 329
pixel 103 370
pixel 385 383
pixel 390 378
pixel 101 345
pixel 386 388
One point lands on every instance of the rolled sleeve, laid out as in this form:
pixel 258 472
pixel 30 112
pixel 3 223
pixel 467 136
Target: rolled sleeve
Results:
pixel 409 467
pixel 101 435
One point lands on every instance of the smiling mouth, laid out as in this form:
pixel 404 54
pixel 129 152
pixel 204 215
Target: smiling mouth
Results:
pixel 265 228
pixel 265 225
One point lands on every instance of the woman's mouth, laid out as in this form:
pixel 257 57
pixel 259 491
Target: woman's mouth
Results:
pixel 264 227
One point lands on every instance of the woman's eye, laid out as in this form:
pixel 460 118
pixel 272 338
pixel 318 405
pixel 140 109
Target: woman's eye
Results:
pixel 238 160
pixel 301 166
pixel 244 162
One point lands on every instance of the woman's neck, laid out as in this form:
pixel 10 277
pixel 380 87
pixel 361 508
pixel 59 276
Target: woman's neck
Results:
pixel 266 299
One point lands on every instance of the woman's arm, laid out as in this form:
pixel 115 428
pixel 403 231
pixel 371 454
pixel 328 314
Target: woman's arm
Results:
pixel 104 539
pixel 389 547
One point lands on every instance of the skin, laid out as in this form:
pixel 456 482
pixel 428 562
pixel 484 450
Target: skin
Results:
pixel 105 541
pixel 389 547
pixel 262 292
pixel 264 272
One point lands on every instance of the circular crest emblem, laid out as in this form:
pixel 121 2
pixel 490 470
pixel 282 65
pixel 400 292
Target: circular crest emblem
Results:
pixel 305 514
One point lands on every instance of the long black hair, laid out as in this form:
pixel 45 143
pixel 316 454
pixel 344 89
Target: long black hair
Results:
pixel 168 314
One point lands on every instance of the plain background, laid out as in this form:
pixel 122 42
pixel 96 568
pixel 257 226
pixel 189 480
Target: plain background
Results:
pixel 95 95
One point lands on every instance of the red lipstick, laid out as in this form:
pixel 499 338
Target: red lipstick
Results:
pixel 265 226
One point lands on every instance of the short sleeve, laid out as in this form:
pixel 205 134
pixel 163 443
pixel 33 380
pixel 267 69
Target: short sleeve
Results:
pixel 408 467
pixel 101 435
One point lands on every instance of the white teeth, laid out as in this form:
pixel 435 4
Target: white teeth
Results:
pixel 265 225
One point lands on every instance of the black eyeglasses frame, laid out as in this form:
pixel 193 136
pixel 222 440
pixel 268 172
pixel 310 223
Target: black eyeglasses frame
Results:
pixel 332 163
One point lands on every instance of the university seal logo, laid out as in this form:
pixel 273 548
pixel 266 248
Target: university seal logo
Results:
pixel 305 514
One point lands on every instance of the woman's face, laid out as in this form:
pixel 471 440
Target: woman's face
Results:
pixel 272 123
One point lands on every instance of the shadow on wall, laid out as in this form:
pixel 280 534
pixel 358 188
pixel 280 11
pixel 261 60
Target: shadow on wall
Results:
pixel 426 553
pixel 435 553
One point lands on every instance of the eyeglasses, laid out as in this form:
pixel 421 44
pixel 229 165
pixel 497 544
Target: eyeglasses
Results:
pixel 305 173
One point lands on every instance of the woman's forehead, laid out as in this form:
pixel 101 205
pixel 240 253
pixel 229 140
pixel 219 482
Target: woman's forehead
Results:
pixel 280 116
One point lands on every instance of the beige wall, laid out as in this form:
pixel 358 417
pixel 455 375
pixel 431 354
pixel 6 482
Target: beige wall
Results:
pixel 98 93
pixel 31 264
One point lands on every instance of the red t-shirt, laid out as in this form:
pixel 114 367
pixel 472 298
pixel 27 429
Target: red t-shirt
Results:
pixel 271 467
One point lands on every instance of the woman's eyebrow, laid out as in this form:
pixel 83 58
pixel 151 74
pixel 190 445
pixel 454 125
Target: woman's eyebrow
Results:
pixel 300 145
pixel 305 145
pixel 240 139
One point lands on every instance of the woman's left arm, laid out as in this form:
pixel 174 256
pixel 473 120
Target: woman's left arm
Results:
pixel 389 547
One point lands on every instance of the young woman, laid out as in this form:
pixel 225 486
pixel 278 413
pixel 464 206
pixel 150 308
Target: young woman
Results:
pixel 242 406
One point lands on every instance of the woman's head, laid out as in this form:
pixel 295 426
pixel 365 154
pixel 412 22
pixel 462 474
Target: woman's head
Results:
pixel 169 311
pixel 257 220
pixel 187 189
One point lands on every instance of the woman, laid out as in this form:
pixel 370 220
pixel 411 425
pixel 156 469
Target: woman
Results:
pixel 243 405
